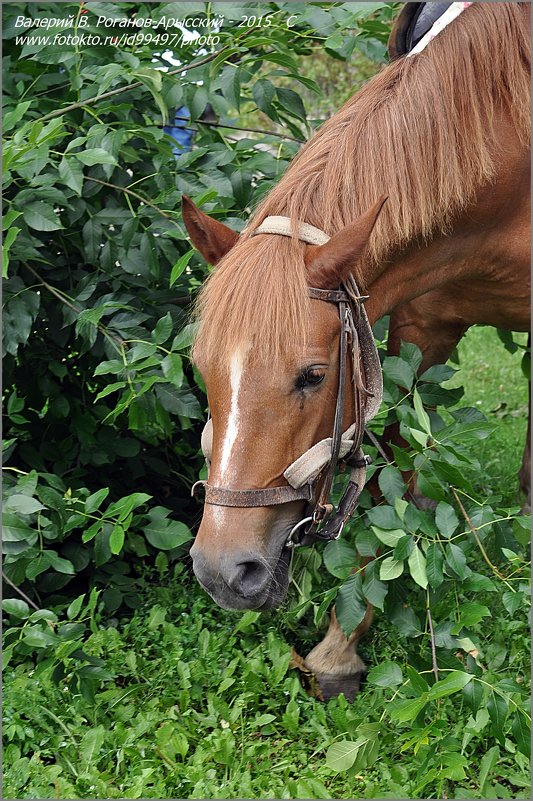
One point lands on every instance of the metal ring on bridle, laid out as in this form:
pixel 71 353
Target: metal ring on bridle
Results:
pixel 290 543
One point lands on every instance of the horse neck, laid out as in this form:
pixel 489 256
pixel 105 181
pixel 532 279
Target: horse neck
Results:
pixel 490 232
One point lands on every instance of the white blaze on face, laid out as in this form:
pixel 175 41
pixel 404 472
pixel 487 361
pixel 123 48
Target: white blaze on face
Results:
pixel 232 426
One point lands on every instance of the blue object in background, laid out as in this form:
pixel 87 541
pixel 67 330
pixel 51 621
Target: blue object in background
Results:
pixel 180 131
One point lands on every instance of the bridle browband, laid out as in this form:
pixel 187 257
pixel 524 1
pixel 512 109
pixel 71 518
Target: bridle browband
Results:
pixel 325 522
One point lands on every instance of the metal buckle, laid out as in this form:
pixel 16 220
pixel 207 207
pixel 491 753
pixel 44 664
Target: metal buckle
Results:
pixel 290 542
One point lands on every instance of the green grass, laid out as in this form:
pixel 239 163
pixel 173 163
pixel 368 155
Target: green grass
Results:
pixel 494 384
pixel 201 703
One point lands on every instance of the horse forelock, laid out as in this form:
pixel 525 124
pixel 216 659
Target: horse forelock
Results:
pixel 255 300
pixel 421 131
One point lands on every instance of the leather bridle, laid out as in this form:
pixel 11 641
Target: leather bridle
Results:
pixel 319 464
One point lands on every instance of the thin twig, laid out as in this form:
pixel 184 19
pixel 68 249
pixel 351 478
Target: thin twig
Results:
pixel 432 640
pixel 51 289
pixel 139 197
pixel 377 444
pixel 114 92
pixel 115 340
pixel 20 592
pixel 479 543
pixel 237 128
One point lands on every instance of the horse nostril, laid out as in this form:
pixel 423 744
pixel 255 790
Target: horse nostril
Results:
pixel 248 578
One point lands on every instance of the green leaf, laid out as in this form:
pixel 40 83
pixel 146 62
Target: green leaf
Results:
pixel 388 674
pixel 477 582
pixel 438 373
pixel 94 501
pixel 405 620
pixel 180 266
pixel 15 530
pixel 391 483
pixel 446 519
pixel 71 172
pixel 75 607
pixel 11 118
pixel 498 707
pixel 384 517
pixel 374 590
pixel 521 729
pixel 60 564
pixel 366 543
pixel 163 329
pixel 473 695
pixel 91 745
pixel 434 563
pixel 339 558
pixel 341 755
pixel 167 534
pixel 16 607
pixel 22 504
pixel 417 682
pixel 398 371
pixel 113 366
pixel 389 536
pixel 390 569
pixel 417 567
pixel 124 506
pixel 183 340
pixel 264 720
pixel 452 683
pixel 402 458
pixel 351 604
pixel 291 102
pixel 41 216
pixel 470 613
pixel 263 93
pixel 38 638
pixel 411 354
pixel 512 601
pixel 488 762
pixel 403 548
pixel 456 559
pixel 9 218
pixel 405 711
pixel 172 366
pixel 8 241
pixel 95 155
pixel 116 539
pixel 421 414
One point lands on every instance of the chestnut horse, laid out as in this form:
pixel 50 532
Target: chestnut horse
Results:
pixel 444 136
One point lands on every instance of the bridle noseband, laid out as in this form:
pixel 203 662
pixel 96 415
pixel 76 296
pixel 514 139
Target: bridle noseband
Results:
pixel 321 461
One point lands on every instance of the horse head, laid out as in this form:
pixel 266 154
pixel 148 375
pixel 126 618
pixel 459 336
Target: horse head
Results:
pixel 279 381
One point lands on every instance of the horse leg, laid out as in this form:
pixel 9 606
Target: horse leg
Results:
pixel 524 474
pixel 335 663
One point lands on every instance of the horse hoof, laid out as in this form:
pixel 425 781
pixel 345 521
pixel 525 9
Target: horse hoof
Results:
pixel 333 684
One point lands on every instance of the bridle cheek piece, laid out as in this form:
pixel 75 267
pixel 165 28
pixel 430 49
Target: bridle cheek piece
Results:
pixel 319 464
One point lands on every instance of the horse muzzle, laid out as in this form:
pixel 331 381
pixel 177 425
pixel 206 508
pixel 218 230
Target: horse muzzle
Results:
pixel 243 579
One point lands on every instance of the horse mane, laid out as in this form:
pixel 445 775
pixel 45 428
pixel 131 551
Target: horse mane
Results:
pixel 421 131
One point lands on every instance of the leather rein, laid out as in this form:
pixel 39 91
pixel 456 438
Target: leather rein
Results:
pixel 319 464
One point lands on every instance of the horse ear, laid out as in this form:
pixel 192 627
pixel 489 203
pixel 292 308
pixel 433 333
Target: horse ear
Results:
pixel 328 265
pixel 212 238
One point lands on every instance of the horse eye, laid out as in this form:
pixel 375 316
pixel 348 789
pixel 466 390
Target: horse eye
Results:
pixel 310 377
